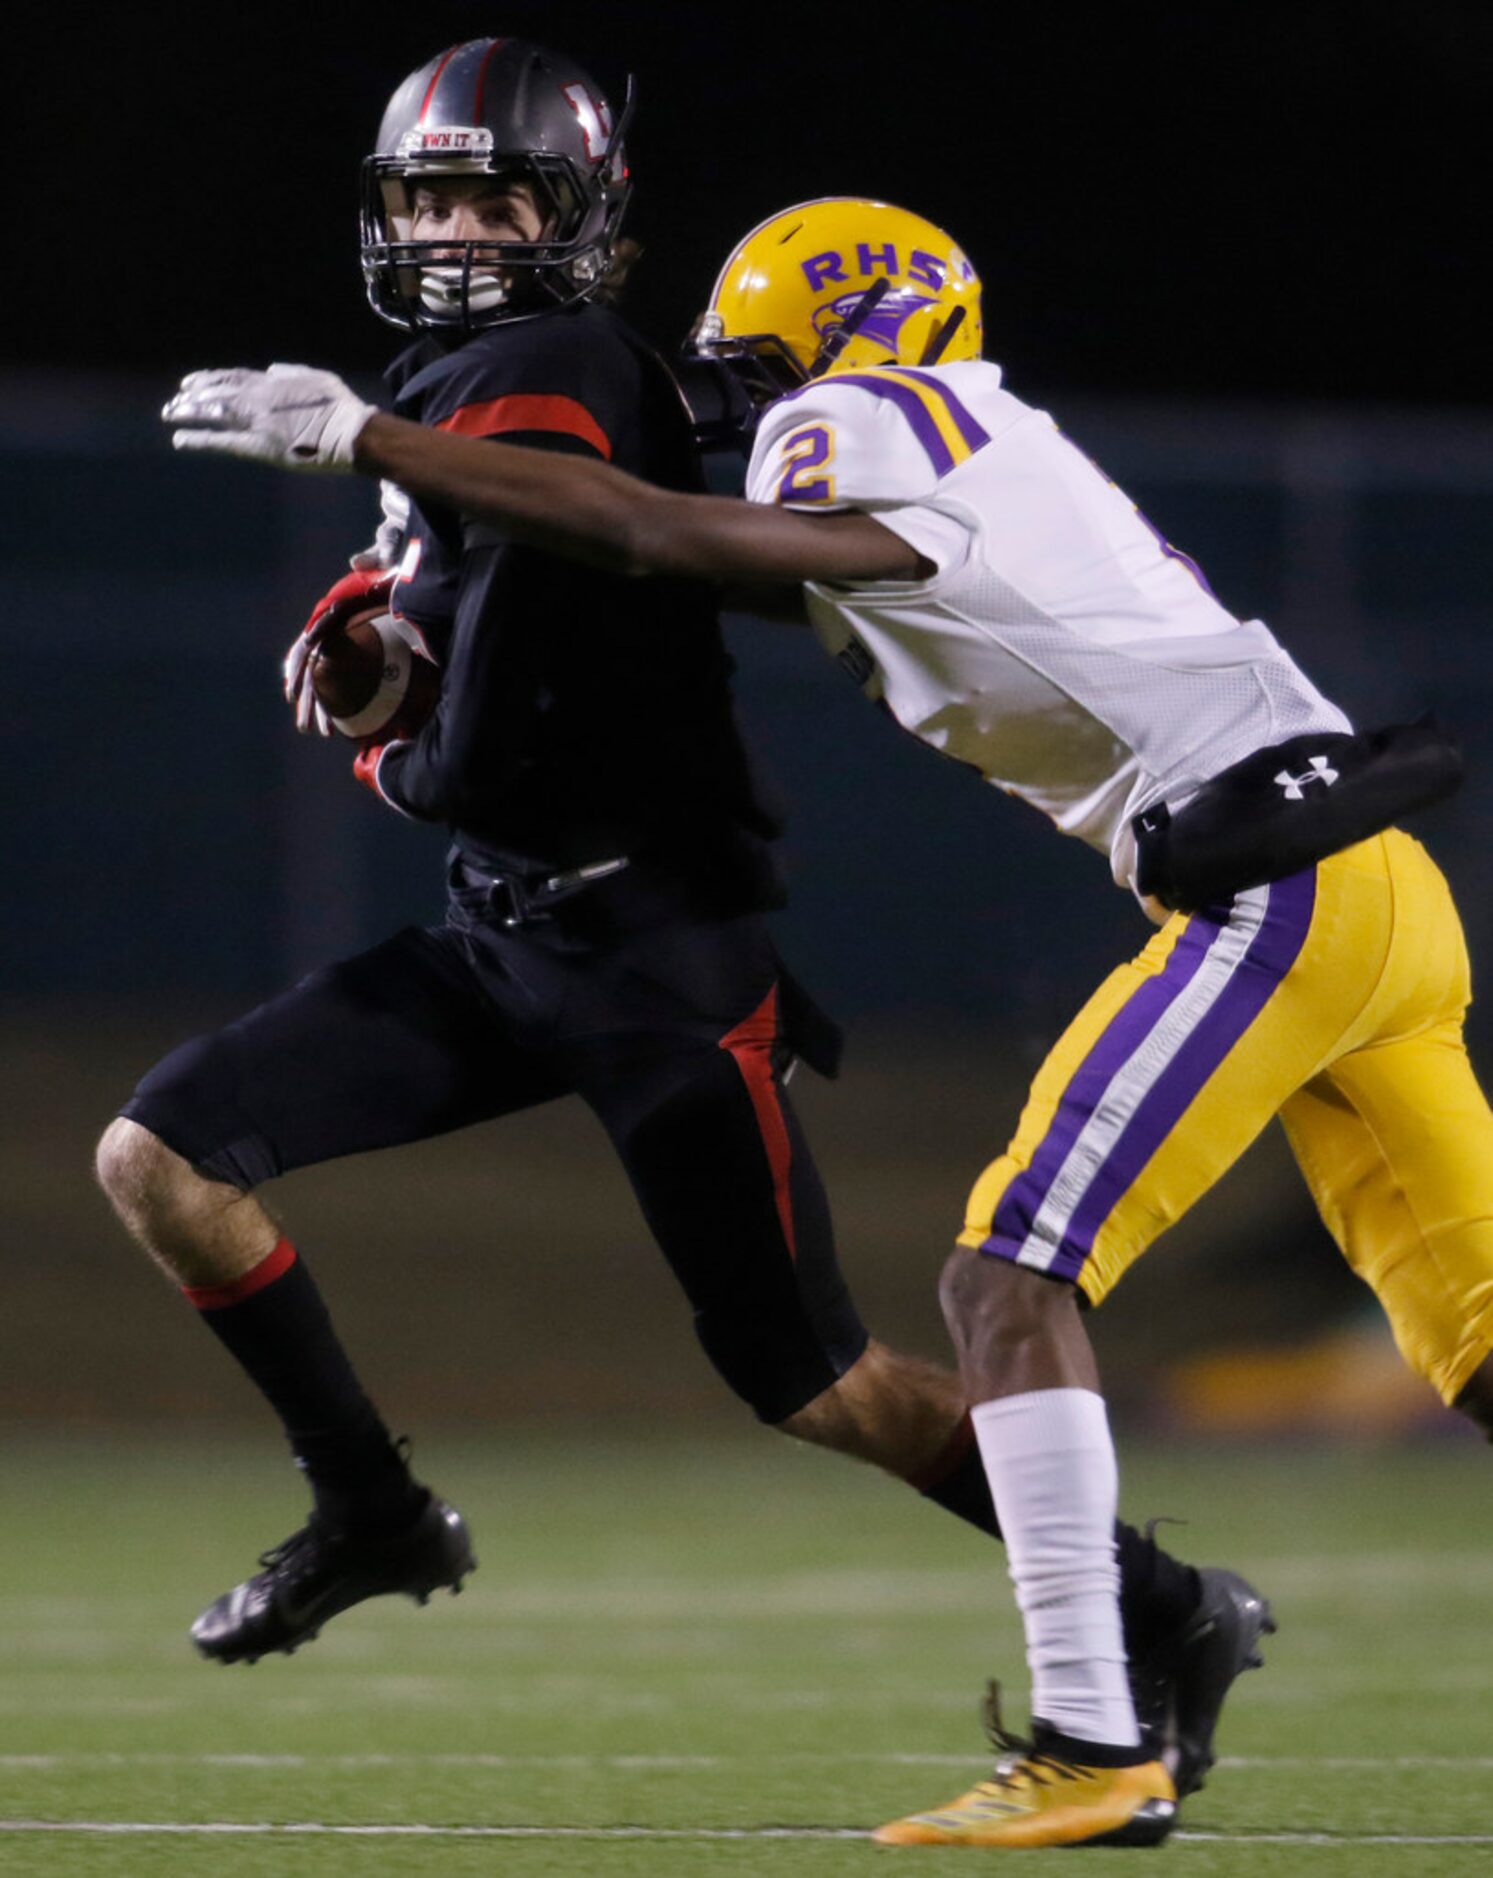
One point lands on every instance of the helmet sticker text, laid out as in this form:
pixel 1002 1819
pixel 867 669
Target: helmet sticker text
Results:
pixel 923 267
pixel 449 139
pixel 806 450
pixel 822 267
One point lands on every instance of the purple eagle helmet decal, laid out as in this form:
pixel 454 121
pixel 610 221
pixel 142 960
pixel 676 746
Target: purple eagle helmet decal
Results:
pixel 883 325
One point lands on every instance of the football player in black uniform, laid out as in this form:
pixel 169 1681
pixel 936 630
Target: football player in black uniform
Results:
pixel 604 937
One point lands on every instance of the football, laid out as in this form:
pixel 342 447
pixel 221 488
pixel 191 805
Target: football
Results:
pixel 368 678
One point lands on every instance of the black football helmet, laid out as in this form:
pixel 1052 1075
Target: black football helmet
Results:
pixel 494 107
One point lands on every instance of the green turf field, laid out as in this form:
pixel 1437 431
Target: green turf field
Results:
pixel 726 1657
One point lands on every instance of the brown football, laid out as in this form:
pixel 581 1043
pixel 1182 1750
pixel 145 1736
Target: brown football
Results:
pixel 348 667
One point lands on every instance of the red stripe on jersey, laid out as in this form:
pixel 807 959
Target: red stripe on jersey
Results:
pixel 216 1297
pixel 528 411
pixel 751 1044
pixel 496 46
pixel 435 79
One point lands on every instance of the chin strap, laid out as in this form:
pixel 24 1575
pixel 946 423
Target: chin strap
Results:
pixel 624 119
pixel 838 337
pixel 938 342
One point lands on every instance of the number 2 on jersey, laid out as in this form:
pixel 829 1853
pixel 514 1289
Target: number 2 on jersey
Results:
pixel 805 451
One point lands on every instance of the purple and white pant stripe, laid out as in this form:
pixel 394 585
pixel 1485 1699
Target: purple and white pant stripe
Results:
pixel 1144 1071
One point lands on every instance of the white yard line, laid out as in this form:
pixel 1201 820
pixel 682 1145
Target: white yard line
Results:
pixel 1332 1838
pixel 314 1829
pixel 829 1593
pixel 643 1763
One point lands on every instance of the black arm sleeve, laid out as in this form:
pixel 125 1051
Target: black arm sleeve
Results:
pixel 472 748
pixel 432 777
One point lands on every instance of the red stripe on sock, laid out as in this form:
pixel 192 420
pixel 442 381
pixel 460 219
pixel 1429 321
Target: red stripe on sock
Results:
pixel 949 1457
pixel 216 1297
pixel 751 1045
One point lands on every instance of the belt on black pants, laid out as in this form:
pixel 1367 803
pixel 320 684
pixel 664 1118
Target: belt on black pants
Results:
pixel 715 875
pixel 515 900
pixel 606 900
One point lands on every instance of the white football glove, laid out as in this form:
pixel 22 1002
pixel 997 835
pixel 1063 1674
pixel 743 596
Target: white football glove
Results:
pixel 310 712
pixel 387 547
pixel 291 415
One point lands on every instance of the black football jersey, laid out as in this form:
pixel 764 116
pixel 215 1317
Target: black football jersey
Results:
pixel 582 715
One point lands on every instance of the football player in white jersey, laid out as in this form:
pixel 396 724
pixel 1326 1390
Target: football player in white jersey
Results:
pixel 987 583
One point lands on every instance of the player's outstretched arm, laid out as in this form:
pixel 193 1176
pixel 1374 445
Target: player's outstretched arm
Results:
pixel 299 418
pixel 592 512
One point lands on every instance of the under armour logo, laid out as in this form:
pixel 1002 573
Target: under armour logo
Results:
pixel 1295 786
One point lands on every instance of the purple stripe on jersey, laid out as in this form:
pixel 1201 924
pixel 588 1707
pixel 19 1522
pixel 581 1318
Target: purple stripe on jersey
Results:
pixel 1272 952
pixel 909 404
pixel 1116 1044
pixel 970 428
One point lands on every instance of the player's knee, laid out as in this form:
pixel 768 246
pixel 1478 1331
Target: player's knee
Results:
pixel 895 1411
pixel 143 1178
pixel 993 1306
pixel 958 1285
pixel 775 1356
pixel 838 1415
pixel 118 1159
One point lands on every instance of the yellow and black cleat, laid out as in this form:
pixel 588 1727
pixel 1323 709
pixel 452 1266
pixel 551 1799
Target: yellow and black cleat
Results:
pixel 1037 1799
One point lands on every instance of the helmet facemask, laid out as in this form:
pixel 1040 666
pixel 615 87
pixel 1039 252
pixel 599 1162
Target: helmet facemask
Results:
pixel 462 286
pixel 761 363
pixel 764 367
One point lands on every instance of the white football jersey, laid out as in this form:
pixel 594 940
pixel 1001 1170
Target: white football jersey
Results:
pixel 1061 645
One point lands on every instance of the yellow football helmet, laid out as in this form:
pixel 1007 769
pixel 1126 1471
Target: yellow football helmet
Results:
pixel 838 285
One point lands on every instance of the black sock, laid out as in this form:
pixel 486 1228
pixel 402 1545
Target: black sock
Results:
pixel 1078 1752
pixel 1158 1593
pixel 275 1325
pixel 956 1482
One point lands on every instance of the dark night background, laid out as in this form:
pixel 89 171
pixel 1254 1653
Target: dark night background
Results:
pixel 1235 247
pixel 1268 200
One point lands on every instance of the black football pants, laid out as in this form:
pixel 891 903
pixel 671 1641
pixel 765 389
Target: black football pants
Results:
pixel 671 1035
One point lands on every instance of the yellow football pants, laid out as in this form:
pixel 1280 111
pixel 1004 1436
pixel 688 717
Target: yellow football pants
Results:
pixel 1334 999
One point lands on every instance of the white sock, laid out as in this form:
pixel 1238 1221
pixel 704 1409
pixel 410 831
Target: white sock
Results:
pixel 1053 1477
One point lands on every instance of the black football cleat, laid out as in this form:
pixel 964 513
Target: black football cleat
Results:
pixel 316 1573
pixel 1180 1685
